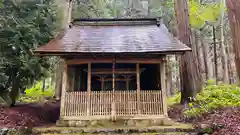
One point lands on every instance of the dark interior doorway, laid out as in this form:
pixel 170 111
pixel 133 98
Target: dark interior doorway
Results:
pixel 149 77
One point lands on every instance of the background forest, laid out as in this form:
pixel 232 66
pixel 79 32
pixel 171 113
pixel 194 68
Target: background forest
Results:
pixel 206 74
pixel 22 31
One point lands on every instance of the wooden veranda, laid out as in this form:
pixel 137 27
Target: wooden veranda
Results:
pixel 110 104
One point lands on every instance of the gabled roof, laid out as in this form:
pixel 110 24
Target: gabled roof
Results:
pixel 114 36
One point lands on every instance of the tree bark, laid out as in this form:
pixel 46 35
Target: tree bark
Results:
pixel 191 80
pixel 14 93
pixel 233 7
pixel 169 77
pixel 223 48
pixel 58 81
pixel 198 51
pixel 43 84
pixel 207 60
pixel 215 54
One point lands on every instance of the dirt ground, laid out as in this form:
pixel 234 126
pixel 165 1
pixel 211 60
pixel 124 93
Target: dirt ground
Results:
pixel 29 115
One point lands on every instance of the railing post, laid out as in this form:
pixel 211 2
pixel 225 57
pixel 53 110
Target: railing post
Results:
pixel 89 89
pixel 163 85
pixel 64 89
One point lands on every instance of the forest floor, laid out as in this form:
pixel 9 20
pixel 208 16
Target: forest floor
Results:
pixel 33 114
pixel 29 115
pixel 224 121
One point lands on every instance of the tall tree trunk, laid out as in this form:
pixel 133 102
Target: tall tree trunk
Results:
pixel 149 8
pixel 207 60
pixel 43 84
pixel 58 80
pixel 234 21
pixel 177 76
pixel 67 19
pixel 191 80
pixel 215 54
pixel 230 70
pixel 14 93
pixel 169 77
pixel 223 48
pixel 198 49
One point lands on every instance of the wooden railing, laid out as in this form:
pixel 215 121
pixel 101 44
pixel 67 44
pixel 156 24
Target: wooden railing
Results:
pixel 125 103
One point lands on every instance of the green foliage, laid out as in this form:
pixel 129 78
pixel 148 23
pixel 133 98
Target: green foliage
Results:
pixel 90 9
pixel 174 99
pixel 214 97
pixel 201 13
pixel 35 93
pixel 24 25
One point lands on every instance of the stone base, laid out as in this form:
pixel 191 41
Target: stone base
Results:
pixel 180 129
pixel 132 122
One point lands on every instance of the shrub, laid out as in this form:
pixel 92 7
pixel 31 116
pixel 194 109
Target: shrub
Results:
pixel 174 99
pixel 214 97
pixel 35 93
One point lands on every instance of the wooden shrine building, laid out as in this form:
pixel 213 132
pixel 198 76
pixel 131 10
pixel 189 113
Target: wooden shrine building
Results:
pixel 114 68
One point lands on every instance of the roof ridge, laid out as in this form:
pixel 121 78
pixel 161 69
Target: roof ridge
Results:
pixel 116 21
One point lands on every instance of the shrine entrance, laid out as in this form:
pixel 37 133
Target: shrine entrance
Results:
pixel 113 89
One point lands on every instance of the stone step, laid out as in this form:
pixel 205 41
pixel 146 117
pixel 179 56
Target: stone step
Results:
pixel 157 130
pixel 173 133
pixel 160 121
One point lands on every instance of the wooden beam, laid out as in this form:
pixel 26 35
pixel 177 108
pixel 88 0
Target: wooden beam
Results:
pixel 116 79
pixel 89 89
pixel 106 71
pixel 118 60
pixel 138 87
pixel 64 89
pixel 163 87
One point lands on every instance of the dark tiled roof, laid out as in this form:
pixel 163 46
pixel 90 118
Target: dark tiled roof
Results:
pixel 114 39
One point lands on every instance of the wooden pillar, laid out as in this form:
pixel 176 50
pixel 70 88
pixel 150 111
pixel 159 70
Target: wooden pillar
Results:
pixel 79 79
pixel 163 85
pixel 127 83
pixel 102 83
pixel 127 77
pixel 138 88
pixel 64 89
pixel 113 88
pixel 89 89
pixel 73 78
pixel 102 78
